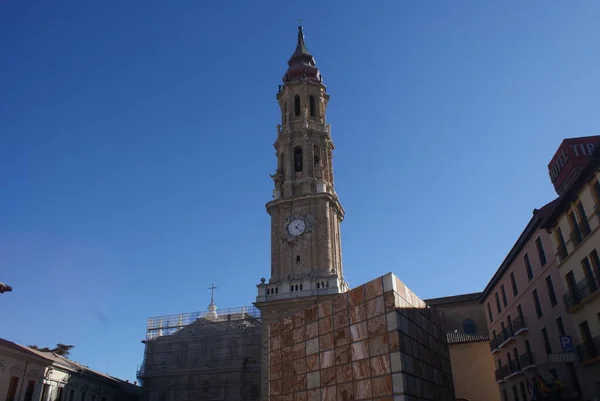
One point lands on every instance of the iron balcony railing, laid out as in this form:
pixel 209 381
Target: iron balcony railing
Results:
pixel 582 290
pixel 526 360
pixel 590 350
pixel 503 337
pixel 519 325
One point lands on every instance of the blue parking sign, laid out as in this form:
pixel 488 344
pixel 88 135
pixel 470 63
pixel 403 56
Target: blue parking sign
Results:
pixel 567 344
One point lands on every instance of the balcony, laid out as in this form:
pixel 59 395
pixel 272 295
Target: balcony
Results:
pixel 501 339
pixel 527 361
pixel 583 293
pixel 499 376
pixel 514 368
pixel 561 252
pixel 519 325
pixel 590 353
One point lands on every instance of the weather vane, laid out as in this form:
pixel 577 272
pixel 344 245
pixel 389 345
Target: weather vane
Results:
pixel 300 21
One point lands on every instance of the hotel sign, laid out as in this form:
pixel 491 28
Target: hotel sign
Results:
pixel 570 157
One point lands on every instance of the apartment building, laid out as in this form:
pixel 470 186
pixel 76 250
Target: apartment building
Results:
pixel 575 237
pixel 525 317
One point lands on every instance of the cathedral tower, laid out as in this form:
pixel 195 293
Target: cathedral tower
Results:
pixel 306 255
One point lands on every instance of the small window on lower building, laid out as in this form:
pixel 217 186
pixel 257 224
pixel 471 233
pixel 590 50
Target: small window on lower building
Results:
pixel 469 327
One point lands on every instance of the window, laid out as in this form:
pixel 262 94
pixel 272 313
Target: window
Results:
pixel 298 159
pixel 83 396
pixel 490 312
pixel 523 392
pixel 504 395
pixel 504 301
pixel 517 361
pixel 520 311
pixel 510 326
pixel 595 262
pixel 585 225
pixel 528 349
pixel 29 390
pixel 596 191
pixel 72 395
pixel 297 105
pixel 528 266
pixel 551 293
pixel 560 327
pixel 540 251
pixel 546 340
pixel 59 394
pixel 554 373
pixel 536 302
pixel 469 327
pixel 12 388
pixel 589 274
pixel 515 392
pixel 317 155
pixel 562 246
pixel 513 282
pixel 45 392
pixel 311 102
pixel 498 303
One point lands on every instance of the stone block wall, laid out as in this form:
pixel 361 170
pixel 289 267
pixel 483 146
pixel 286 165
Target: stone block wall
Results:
pixel 376 342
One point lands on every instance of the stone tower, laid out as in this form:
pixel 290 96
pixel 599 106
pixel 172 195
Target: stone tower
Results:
pixel 306 256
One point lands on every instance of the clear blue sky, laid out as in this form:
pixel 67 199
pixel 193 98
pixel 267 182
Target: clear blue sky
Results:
pixel 136 142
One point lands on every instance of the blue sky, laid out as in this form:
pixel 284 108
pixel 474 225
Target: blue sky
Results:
pixel 136 142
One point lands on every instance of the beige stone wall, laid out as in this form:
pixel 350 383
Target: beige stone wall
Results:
pixel 473 372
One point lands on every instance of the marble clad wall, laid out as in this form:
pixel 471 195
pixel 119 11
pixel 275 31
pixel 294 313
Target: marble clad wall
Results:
pixel 376 342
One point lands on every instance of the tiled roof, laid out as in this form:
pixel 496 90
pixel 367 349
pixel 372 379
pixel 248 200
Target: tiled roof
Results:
pixel 460 338
pixel 22 348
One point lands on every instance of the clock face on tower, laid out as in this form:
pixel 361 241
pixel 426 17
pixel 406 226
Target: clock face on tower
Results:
pixel 296 227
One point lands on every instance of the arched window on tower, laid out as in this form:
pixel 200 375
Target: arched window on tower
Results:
pixel 317 153
pixel 311 102
pixel 469 327
pixel 298 158
pixel 297 105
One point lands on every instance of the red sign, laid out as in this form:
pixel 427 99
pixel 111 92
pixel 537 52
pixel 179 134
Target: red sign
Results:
pixel 571 156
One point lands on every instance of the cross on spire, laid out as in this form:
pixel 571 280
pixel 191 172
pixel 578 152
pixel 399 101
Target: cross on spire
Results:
pixel 300 21
pixel 212 292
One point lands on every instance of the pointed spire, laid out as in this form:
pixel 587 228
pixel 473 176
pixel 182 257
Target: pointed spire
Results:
pixel 301 64
pixel 301 49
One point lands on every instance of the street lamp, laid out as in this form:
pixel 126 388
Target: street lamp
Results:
pixel 4 288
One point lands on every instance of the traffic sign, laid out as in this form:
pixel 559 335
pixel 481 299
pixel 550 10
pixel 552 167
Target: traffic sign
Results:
pixel 567 344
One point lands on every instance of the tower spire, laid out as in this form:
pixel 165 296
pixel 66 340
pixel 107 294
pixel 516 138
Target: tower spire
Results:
pixel 301 64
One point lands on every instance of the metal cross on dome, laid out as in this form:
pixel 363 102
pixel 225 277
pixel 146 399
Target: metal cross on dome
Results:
pixel 212 292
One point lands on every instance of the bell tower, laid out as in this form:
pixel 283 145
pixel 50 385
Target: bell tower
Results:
pixel 306 255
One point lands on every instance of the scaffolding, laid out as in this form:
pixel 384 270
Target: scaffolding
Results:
pixel 203 356
pixel 166 325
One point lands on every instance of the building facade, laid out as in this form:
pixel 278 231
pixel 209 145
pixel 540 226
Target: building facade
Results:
pixel 27 374
pixel 462 318
pixel 575 238
pixel 210 356
pixel 306 255
pixel 525 317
